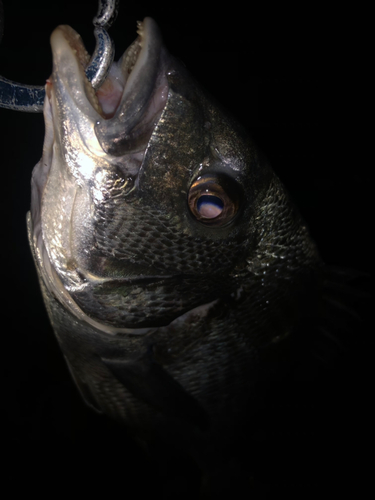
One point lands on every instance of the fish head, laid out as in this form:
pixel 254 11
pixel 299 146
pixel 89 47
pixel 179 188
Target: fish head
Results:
pixel 154 214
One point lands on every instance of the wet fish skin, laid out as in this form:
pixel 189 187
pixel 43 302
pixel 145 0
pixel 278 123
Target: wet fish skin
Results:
pixel 259 273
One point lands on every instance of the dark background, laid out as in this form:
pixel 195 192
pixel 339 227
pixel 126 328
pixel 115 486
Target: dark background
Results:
pixel 295 79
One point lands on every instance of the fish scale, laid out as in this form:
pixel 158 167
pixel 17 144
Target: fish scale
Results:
pixel 138 234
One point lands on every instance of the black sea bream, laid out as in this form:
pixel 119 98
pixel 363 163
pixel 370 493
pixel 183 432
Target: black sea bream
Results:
pixel 175 269
pixel 179 277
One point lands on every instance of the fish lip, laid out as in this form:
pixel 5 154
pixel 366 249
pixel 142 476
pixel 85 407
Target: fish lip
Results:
pixel 144 96
pixel 69 81
pixel 140 74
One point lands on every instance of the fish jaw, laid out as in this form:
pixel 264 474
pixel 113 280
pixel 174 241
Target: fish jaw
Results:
pixel 144 94
pixel 124 111
pixel 75 172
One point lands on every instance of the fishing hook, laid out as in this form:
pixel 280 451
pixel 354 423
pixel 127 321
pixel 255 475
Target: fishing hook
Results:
pixel 30 98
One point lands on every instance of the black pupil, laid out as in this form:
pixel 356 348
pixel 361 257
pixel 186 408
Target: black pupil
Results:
pixel 209 206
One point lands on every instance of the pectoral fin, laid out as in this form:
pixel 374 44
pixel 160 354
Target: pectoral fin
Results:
pixel 84 390
pixel 150 382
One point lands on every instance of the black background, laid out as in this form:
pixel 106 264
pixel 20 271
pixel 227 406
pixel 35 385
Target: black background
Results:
pixel 295 79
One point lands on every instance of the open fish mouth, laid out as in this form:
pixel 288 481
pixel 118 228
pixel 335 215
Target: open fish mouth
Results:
pixel 128 105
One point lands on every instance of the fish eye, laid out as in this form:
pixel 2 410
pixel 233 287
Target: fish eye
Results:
pixel 214 199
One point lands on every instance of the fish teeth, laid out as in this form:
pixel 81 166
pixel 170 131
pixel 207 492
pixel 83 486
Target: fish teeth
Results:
pixel 140 28
pixel 131 57
pixel 140 32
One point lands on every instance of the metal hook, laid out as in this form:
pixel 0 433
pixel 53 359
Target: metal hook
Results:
pixel 30 98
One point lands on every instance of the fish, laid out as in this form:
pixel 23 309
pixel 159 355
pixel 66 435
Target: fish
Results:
pixel 174 267
pixel 160 363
